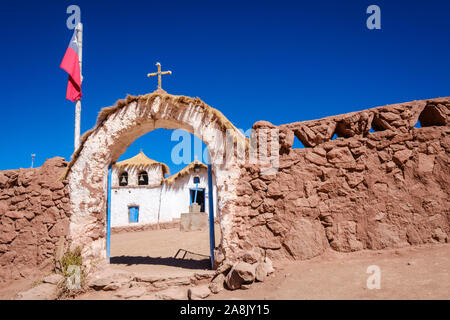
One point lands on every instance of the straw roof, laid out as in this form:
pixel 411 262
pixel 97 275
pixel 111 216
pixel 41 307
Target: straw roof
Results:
pixel 184 171
pixel 141 160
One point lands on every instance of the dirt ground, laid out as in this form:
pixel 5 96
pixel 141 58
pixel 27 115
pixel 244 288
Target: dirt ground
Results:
pixel 420 272
pixel 154 251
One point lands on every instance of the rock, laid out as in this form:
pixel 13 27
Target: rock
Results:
pixel 316 159
pixel 199 292
pixel 217 283
pixel 400 157
pixel 258 184
pixel 134 292
pixel 261 272
pixel 269 265
pixel 7 236
pixel 104 278
pixel 274 190
pixel 219 257
pixel 340 156
pixel 439 235
pixel 45 291
pixel 7 258
pixel 263 269
pixel 251 257
pixel 61 228
pixel 224 267
pixel 112 286
pixel 53 278
pixel 56 186
pixel 241 273
pixel 174 293
pixel 244 188
pixel 286 139
pixel 148 278
pixel 425 164
pixel 305 239
pixel 15 214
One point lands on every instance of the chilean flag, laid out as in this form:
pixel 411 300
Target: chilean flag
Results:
pixel 71 65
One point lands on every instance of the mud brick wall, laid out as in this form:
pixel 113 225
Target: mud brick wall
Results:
pixel 365 189
pixel 34 218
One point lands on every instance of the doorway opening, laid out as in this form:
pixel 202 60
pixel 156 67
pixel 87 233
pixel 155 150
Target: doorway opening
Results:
pixel 198 196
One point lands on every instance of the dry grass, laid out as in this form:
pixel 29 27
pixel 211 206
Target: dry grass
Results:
pixel 141 160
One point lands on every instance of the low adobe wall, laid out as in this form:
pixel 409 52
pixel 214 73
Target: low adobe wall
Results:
pixel 34 218
pixel 363 190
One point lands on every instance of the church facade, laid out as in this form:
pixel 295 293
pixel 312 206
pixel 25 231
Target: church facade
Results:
pixel 141 194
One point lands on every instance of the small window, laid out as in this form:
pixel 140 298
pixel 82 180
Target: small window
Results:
pixel 133 214
pixel 143 178
pixel 123 179
pixel 196 180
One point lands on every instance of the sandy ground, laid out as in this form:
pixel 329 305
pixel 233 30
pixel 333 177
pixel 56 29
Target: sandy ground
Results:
pixel 154 251
pixel 421 272
pixel 408 273
pixel 8 290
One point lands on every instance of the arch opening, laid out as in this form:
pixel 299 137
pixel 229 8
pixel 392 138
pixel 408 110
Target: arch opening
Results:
pixel 153 228
pixel 433 115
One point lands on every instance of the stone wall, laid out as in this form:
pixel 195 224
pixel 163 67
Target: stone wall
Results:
pixel 34 218
pixel 366 189
pixel 381 183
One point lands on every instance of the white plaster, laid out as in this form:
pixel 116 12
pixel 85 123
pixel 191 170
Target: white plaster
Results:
pixel 161 202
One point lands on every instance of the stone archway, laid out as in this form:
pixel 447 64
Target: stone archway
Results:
pixel 117 128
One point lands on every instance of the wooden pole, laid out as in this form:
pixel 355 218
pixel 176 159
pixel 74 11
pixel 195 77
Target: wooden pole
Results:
pixel 79 30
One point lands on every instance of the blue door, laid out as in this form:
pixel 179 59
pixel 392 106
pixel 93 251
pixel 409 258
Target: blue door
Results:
pixel 133 214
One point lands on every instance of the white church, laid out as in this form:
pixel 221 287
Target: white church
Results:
pixel 141 193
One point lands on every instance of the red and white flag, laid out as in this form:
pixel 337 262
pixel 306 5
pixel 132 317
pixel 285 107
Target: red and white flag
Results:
pixel 71 65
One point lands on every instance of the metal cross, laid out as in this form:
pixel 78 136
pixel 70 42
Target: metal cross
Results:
pixel 159 74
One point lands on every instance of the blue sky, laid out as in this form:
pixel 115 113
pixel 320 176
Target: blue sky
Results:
pixel 281 61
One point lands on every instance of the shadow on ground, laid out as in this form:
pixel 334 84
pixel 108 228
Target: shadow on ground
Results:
pixel 172 262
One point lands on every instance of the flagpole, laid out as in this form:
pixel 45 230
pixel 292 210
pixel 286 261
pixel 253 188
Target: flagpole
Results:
pixel 79 29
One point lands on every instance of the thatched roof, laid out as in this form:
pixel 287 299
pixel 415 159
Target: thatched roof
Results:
pixel 141 160
pixel 182 101
pixel 184 171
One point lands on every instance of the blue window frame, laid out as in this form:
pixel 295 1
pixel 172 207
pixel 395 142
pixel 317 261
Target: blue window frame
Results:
pixel 133 214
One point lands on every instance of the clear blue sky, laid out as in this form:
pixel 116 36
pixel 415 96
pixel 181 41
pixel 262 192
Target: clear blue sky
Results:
pixel 253 60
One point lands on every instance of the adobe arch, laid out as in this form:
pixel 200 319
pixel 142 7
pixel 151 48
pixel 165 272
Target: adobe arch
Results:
pixel 116 129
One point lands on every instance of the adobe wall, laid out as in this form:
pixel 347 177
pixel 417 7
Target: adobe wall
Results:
pixel 34 218
pixel 362 190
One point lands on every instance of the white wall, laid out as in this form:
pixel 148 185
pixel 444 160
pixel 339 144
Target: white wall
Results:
pixel 147 199
pixel 175 199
